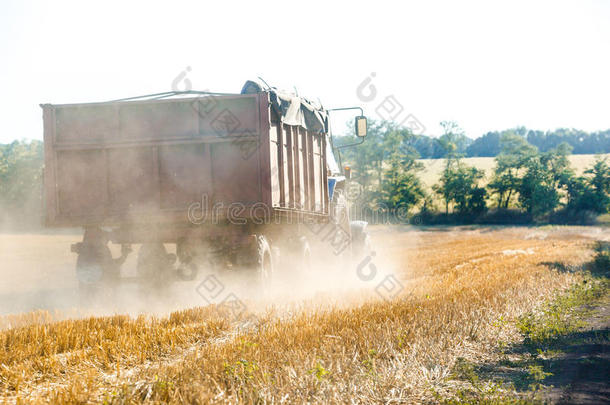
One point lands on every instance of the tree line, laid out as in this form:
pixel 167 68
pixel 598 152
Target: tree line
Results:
pixel 488 145
pixel 532 178
pixel 528 183
pixel 21 164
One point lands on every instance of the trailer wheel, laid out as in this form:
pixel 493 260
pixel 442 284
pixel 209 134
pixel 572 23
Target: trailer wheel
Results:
pixel 94 264
pixel 92 271
pixel 91 264
pixel 154 267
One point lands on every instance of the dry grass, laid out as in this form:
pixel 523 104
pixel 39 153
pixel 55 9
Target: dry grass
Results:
pixel 462 288
pixel 46 352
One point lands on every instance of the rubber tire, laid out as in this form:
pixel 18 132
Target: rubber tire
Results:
pixel 361 249
pixel 264 265
pixel 153 268
pixel 95 272
pixel 300 258
pixel 305 255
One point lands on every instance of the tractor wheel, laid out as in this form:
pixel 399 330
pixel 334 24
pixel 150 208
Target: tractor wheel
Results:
pixel 361 241
pixel 366 250
pixel 340 243
pixel 304 256
pixel 297 263
pixel 263 265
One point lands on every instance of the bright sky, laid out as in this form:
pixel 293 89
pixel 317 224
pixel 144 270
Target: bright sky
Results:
pixel 487 65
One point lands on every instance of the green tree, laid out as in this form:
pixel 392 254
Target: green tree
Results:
pixel 590 192
pixel 21 165
pixel 600 181
pixel 510 164
pixel 448 143
pixel 536 192
pixel 545 174
pixel 367 160
pixel 459 185
pixel 453 141
pixel 400 187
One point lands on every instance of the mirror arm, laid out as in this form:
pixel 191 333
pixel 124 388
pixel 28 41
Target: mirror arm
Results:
pixel 344 109
pixel 347 108
pixel 351 144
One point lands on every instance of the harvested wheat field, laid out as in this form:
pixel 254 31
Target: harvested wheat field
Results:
pixel 434 167
pixel 332 339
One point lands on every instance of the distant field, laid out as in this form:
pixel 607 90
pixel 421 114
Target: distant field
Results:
pixel 434 167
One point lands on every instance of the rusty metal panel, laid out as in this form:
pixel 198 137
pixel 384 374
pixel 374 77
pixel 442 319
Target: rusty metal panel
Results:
pixel 317 175
pixel 275 157
pixel 185 174
pixel 112 163
pixel 95 123
pixel 304 166
pixel 228 116
pixel 81 182
pixel 325 197
pixel 235 179
pixel 286 172
pixel 301 133
pixel 296 161
pixel 266 173
pixel 311 197
pixel 131 183
pixel 161 120
pixel 50 166
pixel 290 200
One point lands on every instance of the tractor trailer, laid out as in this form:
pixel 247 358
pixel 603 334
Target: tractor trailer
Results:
pixel 238 182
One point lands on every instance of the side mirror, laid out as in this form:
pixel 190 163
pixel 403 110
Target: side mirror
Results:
pixel 361 125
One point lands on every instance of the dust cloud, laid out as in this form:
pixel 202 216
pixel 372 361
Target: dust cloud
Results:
pixel 38 273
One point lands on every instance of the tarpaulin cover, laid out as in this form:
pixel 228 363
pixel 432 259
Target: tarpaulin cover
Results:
pixel 293 109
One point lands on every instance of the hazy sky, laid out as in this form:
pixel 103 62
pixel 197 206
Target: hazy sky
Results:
pixel 487 65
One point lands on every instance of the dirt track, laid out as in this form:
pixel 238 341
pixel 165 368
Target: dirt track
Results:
pixel 585 367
